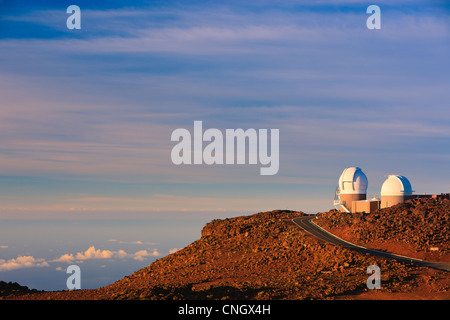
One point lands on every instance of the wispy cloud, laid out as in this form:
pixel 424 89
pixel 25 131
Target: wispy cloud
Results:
pixel 138 242
pixel 158 202
pixel 265 35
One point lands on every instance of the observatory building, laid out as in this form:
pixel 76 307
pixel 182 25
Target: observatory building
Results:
pixel 351 193
pixel 352 187
pixel 396 189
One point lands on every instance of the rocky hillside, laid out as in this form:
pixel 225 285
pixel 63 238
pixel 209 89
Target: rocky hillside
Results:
pixel 263 256
pixel 417 228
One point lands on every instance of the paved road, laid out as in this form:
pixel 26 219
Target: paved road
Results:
pixel 310 227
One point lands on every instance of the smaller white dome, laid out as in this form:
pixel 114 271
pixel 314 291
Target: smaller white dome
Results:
pixel 396 185
pixel 353 181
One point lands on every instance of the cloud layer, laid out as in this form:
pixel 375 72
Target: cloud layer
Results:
pixel 91 253
pixel 22 262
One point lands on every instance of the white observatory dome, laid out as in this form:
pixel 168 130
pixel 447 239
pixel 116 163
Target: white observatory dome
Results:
pixel 353 181
pixel 396 186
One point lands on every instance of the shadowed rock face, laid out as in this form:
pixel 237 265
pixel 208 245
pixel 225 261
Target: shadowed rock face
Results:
pixel 13 288
pixel 261 256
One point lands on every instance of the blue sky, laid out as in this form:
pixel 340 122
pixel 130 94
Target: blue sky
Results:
pixel 86 118
pixel 86 115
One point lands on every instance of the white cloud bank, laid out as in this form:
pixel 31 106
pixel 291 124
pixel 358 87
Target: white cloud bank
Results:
pixel 141 254
pixel 92 253
pixel 22 262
